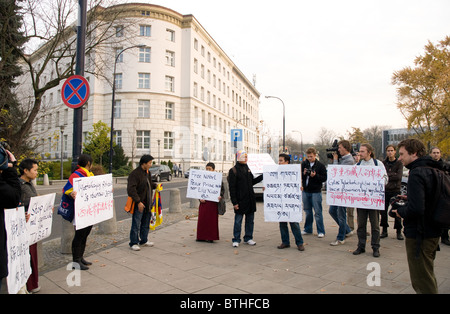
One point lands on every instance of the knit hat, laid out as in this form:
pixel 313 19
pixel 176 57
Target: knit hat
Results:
pixel 240 155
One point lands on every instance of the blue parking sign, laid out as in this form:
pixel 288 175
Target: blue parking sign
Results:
pixel 236 135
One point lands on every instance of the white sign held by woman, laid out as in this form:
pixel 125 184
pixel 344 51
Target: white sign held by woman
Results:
pixel 204 185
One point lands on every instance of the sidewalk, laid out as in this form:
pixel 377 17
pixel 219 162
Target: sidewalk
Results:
pixel 179 264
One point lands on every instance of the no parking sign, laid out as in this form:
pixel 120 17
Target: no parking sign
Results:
pixel 75 91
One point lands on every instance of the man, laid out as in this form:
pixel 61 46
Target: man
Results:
pixel 368 159
pixel 435 154
pixel 285 159
pixel 339 213
pixel 140 189
pixel 10 194
pixel 240 185
pixel 314 174
pixel 28 169
pixel 84 166
pixel 394 168
pixel 421 233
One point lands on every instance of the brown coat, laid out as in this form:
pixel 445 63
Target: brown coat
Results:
pixel 140 186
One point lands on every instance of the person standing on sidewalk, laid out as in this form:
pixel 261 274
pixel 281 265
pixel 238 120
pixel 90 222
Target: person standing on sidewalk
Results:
pixel 314 174
pixel 140 189
pixel 84 166
pixel 285 159
pixel 29 171
pixel 240 184
pixel 368 159
pixel 394 168
pixel 421 232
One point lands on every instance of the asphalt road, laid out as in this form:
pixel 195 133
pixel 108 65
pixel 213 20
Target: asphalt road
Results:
pixel 120 199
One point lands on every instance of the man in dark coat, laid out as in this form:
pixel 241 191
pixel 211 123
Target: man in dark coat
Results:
pixel 10 194
pixel 421 232
pixel 240 184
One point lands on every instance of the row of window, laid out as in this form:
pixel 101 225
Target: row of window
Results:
pixel 144 81
pixel 146 31
pixel 144 109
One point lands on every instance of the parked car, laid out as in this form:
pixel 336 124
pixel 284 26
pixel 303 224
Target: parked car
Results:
pixel 160 172
pixel 186 173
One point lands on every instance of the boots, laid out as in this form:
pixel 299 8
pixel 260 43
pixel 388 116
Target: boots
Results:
pixel 77 257
pixel 384 233
pixel 399 234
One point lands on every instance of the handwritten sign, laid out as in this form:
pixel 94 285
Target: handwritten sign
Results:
pixel 356 186
pixel 256 163
pixel 94 202
pixel 282 193
pixel 41 214
pixel 204 185
pixel 17 244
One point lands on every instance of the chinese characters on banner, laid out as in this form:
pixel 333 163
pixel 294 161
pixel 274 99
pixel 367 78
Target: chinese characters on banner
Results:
pixel 17 244
pixel 41 212
pixel 282 193
pixel 356 186
pixel 204 185
pixel 94 202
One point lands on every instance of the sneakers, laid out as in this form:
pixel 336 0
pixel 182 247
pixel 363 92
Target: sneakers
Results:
pixel 135 247
pixel 235 244
pixel 337 242
pixel 249 242
pixel 321 235
pixel 149 244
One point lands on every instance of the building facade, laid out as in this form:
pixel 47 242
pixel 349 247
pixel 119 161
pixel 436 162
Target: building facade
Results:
pixel 177 95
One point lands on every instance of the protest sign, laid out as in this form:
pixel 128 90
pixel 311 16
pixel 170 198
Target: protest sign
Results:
pixel 17 244
pixel 94 202
pixel 204 185
pixel 356 186
pixel 282 193
pixel 41 213
pixel 256 162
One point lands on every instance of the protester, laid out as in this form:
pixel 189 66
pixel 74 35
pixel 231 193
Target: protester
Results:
pixel 421 232
pixel 314 174
pixel 29 171
pixel 339 213
pixel 10 194
pixel 84 166
pixel 368 159
pixel 394 168
pixel 208 215
pixel 285 159
pixel 240 184
pixel 140 189
pixel 435 154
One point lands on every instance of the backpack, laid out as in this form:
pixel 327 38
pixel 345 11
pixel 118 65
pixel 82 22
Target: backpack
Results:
pixel 441 206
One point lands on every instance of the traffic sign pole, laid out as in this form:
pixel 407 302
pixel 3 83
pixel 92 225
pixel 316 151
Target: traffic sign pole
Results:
pixel 79 70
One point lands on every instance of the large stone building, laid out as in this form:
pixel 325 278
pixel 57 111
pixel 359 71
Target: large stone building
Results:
pixel 177 96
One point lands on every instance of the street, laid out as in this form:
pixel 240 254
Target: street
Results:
pixel 120 198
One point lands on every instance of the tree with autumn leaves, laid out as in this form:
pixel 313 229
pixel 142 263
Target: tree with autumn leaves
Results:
pixel 424 95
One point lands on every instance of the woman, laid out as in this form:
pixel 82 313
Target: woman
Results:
pixel 208 216
pixel 80 238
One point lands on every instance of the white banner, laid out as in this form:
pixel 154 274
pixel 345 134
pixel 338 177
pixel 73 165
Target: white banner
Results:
pixel 256 163
pixel 204 185
pixel 94 201
pixel 356 186
pixel 282 193
pixel 41 214
pixel 19 268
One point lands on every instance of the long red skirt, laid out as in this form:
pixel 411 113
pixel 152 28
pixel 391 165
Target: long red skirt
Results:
pixel 208 221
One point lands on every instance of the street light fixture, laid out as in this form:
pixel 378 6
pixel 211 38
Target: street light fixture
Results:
pixel 284 122
pixel 112 105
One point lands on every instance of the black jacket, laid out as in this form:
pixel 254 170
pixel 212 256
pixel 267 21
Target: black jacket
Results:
pixel 10 194
pixel 394 171
pixel 240 185
pixel 140 186
pixel 314 183
pixel 417 214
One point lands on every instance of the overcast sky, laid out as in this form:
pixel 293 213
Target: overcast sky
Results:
pixel 330 61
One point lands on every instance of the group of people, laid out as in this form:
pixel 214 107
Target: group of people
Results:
pixel 422 235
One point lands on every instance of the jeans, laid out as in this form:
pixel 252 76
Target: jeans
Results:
pixel 295 227
pixel 310 201
pixel 339 215
pixel 249 223
pixel 140 226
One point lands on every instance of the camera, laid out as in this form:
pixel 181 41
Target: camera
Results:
pixel 308 171
pixel 396 202
pixel 333 149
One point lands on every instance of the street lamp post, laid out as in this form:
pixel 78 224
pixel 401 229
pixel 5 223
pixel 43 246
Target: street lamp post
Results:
pixel 111 151
pixel 284 122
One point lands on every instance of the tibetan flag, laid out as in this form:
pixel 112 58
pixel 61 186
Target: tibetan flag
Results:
pixel 156 213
